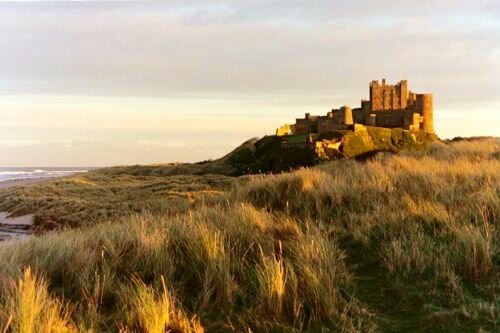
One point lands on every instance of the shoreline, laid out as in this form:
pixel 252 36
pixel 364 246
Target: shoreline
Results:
pixel 24 182
pixel 15 228
pixel 20 227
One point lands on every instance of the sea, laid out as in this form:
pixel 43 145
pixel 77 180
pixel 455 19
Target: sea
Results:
pixel 21 173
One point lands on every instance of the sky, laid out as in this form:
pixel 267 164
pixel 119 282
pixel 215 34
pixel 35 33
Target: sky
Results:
pixel 98 83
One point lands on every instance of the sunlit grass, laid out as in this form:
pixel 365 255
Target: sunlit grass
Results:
pixel 30 309
pixel 391 244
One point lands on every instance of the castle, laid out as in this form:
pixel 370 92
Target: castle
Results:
pixel 389 106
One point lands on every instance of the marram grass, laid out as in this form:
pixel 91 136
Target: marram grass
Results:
pixel 405 242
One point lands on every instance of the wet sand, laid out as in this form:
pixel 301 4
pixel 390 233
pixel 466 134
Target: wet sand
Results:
pixel 15 227
pixel 12 228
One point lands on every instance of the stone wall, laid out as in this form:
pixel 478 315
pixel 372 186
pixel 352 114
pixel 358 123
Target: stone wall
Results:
pixel 391 106
pixel 388 97
pixel 286 129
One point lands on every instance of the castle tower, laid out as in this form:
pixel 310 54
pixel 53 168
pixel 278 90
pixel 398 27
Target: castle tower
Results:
pixel 376 96
pixel 347 113
pixel 427 112
pixel 403 94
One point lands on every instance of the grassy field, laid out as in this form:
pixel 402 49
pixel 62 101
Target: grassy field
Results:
pixel 399 243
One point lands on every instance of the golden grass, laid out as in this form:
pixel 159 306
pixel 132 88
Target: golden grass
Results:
pixel 154 313
pixel 272 281
pixel 30 309
pixel 385 245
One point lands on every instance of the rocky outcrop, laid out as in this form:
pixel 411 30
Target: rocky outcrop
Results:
pixel 283 153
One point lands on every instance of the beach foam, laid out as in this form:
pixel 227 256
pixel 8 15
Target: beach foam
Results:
pixel 7 174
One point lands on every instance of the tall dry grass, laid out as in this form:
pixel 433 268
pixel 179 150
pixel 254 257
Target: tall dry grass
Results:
pixel 155 313
pixel 30 309
pixel 391 244
pixel 233 263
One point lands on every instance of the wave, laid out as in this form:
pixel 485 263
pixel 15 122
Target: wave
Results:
pixel 7 175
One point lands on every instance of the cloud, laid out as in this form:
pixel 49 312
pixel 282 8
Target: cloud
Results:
pixel 246 47
pixel 105 152
pixel 198 70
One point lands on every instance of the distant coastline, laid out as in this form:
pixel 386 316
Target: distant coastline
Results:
pixel 9 174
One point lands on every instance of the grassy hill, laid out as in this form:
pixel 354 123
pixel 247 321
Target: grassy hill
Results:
pixel 267 154
pixel 397 243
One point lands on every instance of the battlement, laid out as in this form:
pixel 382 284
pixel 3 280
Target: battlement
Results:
pixel 389 97
pixel 391 106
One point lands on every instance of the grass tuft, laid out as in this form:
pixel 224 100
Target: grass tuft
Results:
pixel 30 309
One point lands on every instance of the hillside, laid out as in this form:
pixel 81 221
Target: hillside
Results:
pixel 398 243
pixel 285 153
pixel 174 188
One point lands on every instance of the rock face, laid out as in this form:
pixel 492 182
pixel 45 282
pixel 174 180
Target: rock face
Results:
pixel 370 139
pixel 283 153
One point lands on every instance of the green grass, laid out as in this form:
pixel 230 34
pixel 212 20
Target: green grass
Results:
pixel 398 243
pixel 301 138
pixel 385 139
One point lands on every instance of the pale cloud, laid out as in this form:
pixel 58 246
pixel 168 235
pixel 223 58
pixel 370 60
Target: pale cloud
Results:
pixel 103 70
pixel 255 47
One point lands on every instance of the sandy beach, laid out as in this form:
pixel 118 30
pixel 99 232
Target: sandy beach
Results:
pixel 23 182
pixel 15 227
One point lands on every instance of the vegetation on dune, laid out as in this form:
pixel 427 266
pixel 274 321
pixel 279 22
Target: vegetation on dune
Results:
pixel 405 242
pixel 87 198
pixel 376 139
pixel 267 155
pixel 253 156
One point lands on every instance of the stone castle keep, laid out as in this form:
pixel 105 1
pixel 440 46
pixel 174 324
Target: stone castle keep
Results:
pixel 389 106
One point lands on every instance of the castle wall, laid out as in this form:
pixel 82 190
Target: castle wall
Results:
pixel 371 119
pixel 302 126
pixel 359 115
pixel 366 106
pixel 389 106
pixel 327 125
pixel 309 124
pixel 405 119
pixel 403 86
pixel 286 129
pixel 390 119
pixel 376 96
pixel 388 97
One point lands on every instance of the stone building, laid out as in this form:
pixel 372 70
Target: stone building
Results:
pixel 389 106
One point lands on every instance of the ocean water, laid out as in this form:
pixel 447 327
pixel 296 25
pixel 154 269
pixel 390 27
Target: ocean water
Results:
pixel 38 172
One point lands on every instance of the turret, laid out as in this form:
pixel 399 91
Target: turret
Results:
pixel 427 112
pixel 347 115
